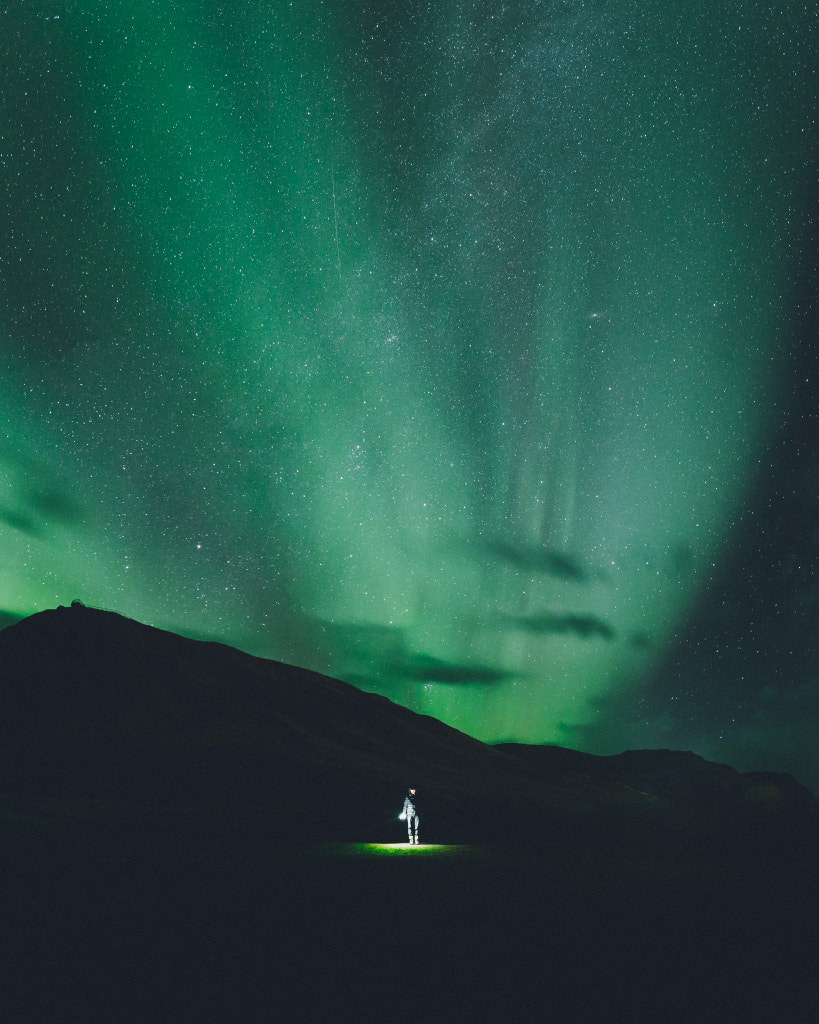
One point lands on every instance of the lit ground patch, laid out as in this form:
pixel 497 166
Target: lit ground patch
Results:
pixel 402 849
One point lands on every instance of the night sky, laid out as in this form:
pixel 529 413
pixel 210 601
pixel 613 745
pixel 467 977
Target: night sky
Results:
pixel 462 351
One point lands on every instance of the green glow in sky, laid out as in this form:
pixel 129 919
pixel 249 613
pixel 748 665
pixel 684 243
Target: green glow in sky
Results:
pixel 431 350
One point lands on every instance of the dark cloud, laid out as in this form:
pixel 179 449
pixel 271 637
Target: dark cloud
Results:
pixel 371 655
pixel 542 561
pixel 426 669
pixel 585 626
pixel 19 521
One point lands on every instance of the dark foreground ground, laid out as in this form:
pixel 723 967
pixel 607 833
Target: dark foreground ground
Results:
pixel 150 926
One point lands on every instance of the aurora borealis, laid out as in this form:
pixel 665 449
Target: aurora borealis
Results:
pixel 462 351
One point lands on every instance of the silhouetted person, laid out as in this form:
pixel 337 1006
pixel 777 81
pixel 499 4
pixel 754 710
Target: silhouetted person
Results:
pixel 410 812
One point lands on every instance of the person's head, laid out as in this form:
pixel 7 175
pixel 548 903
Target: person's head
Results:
pixel 412 791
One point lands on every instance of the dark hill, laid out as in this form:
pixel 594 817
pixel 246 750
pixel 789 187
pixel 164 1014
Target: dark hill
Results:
pixel 98 707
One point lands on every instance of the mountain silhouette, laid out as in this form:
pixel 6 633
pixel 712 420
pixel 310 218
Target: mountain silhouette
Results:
pixel 96 706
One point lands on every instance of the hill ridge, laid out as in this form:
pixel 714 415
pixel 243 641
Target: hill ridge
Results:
pixel 95 705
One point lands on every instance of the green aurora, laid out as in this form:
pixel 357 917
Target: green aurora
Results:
pixel 438 349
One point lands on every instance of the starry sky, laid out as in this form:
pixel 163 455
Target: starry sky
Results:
pixel 461 350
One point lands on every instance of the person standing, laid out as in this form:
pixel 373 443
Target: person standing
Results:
pixel 410 812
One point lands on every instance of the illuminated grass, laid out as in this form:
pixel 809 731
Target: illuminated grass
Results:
pixel 403 849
